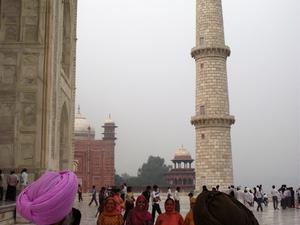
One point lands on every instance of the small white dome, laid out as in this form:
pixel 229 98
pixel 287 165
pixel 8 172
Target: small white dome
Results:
pixel 82 125
pixel 182 153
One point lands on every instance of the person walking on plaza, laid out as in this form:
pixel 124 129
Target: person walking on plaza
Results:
pixel 147 193
pixel 155 198
pixel 123 191
pixel 170 217
pixel 94 196
pixel 12 181
pixel 248 198
pixel 239 194
pixel 177 199
pixel 139 215
pixel 79 192
pixel 129 202
pixel 110 215
pixel 169 192
pixel 275 196
pixel 120 205
pixel 259 198
pixel 1 185
pixel 23 179
pixel 101 198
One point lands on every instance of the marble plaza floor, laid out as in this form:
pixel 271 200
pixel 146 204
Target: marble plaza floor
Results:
pixel 267 217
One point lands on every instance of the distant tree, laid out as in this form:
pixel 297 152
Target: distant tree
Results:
pixel 153 171
pixel 118 180
pixel 125 176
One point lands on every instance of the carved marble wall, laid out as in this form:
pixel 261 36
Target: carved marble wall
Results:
pixel 37 84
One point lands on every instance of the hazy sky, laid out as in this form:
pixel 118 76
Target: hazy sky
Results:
pixel 133 61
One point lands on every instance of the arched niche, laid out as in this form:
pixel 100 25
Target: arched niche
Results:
pixel 64 143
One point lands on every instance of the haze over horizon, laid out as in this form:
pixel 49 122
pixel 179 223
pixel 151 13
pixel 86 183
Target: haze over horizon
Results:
pixel 133 61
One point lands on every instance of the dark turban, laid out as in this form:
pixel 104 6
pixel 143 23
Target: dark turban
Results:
pixel 217 208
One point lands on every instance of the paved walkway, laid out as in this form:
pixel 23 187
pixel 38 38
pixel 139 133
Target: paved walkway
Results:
pixel 267 217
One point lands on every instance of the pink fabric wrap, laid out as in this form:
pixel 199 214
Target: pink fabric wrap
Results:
pixel 49 199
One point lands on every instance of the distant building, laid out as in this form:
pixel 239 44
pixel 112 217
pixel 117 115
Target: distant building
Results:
pixel 182 174
pixel 94 159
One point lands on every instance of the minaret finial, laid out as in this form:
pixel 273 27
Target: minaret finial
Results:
pixel 78 109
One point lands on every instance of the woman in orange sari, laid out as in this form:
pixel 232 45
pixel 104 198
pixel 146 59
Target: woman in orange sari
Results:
pixel 110 216
pixel 189 219
pixel 170 217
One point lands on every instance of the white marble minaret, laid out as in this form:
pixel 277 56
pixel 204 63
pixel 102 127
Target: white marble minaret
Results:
pixel 212 120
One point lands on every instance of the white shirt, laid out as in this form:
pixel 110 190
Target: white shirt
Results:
pixel 248 197
pixel 275 193
pixel 24 179
pixel 258 194
pixel 240 196
pixel 176 196
pixel 169 193
pixel 155 197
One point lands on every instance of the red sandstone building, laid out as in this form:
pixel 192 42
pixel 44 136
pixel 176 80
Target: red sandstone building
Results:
pixel 94 159
pixel 182 174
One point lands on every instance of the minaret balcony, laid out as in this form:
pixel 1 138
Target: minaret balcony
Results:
pixel 218 121
pixel 207 51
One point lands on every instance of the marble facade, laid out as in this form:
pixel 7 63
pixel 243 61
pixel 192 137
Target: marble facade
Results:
pixel 37 84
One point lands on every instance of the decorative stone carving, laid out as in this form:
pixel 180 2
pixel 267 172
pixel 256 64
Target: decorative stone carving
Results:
pixel 6 109
pixel 29 75
pixel 10 58
pixel 30 59
pixel 7 75
pixel 6 158
pixel 6 121
pixel 27 97
pixel 29 69
pixel 30 33
pixel 28 114
pixel 7 68
pixel 30 16
pixel 27 150
pixel 11 19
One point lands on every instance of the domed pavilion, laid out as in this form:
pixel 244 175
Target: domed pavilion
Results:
pixel 182 174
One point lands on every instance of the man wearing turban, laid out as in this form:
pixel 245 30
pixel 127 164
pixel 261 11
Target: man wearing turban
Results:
pixel 49 200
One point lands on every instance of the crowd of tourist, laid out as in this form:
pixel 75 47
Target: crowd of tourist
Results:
pixel 119 206
pixel 125 203
pixel 11 183
pixel 285 196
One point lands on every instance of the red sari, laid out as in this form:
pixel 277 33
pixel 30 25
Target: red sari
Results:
pixel 139 216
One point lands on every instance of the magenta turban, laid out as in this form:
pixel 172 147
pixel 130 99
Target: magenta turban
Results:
pixel 49 199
